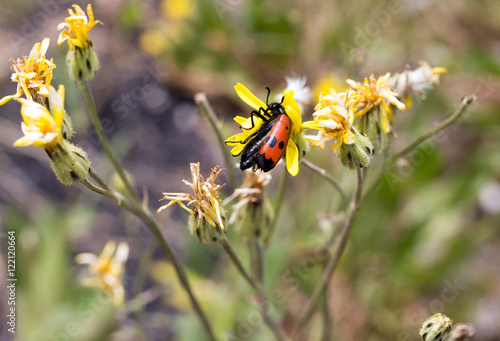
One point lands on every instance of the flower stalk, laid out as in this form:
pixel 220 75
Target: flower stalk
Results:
pixel 270 320
pixel 332 263
pixel 85 88
pixel 146 217
pixel 466 101
pixel 202 102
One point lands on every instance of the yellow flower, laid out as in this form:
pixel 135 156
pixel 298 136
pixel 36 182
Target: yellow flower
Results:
pixel 292 110
pixel 375 93
pixel 205 202
pixel 333 118
pixel 40 127
pixel 32 74
pixel 76 28
pixel 106 270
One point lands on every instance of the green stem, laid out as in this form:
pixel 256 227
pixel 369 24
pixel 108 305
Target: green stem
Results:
pixel 255 259
pixel 455 116
pixel 272 323
pixel 279 204
pixel 207 110
pixel 85 88
pixel 331 179
pixel 332 263
pixel 98 179
pixel 326 317
pixel 146 217
pixel 142 268
pixel 388 162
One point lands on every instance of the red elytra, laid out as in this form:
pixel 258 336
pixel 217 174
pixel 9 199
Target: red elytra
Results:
pixel 267 146
pixel 275 144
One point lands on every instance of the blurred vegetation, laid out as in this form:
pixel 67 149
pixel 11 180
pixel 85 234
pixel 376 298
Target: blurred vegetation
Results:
pixel 427 239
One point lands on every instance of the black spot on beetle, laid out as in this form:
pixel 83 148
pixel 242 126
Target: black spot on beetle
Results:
pixel 272 141
pixel 281 145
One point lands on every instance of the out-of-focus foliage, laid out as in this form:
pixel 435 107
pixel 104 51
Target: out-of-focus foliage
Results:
pixel 425 240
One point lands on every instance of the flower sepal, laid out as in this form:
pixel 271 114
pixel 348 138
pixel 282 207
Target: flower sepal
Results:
pixel 358 154
pixel 82 63
pixel 203 231
pixel 69 162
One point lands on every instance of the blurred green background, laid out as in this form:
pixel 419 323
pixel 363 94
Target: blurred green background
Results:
pixel 427 239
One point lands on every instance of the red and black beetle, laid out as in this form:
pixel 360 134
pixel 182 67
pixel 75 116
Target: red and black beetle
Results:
pixel 265 147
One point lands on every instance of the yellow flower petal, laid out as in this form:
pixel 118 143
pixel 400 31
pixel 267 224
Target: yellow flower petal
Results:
pixel 249 98
pixel 238 149
pixel 292 158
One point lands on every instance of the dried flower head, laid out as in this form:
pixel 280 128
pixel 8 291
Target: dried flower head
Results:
pixel 106 270
pixel 416 81
pixel 32 74
pixel 205 201
pixel 375 93
pixel 250 192
pixel 253 211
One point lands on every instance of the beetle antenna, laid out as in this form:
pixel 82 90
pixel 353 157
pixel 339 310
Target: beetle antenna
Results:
pixel 282 99
pixel 268 93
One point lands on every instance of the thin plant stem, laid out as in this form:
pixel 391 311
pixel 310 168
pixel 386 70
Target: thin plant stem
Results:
pixel 145 216
pixel 85 88
pixel 206 108
pixel 255 259
pixel 98 179
pixel 326 317
pixel 142 271
pixel 272 323
pixel 331 179
pixel 279 204
pixel 452 118
pixel 339 248
pixel 388 162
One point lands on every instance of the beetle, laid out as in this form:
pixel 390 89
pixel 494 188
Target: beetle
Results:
pixel 265 147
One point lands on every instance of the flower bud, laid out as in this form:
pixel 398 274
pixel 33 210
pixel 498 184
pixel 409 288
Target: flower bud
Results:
pixel 253 217
pixel 358 154
pixel 69 162
pixel 436 328
pixel 82 63
pixel 201 229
